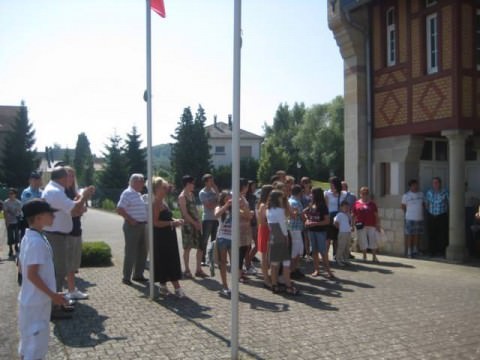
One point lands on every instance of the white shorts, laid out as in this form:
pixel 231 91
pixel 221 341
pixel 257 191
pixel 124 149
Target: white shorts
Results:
pixel 34 327
pixel 297 243
pixel 367 238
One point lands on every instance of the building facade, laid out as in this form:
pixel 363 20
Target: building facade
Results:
pixel 412 104
pixel 220 141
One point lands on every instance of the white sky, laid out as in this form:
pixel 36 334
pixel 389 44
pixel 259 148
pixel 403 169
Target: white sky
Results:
pixel 80 64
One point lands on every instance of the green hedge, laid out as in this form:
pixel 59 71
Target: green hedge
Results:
pixel 96 253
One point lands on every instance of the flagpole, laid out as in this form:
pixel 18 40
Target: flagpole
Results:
pixel 237 43
pixel 149 152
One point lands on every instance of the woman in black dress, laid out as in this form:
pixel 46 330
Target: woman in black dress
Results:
pixel 165 247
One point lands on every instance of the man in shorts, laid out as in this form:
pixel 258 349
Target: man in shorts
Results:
pixel 413 206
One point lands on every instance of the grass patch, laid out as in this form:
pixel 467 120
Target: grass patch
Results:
pixel 324 185
pixel 96 254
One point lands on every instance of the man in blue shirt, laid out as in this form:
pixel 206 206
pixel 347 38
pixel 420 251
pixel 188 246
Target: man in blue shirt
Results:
pixel 31 192
pixel 436 202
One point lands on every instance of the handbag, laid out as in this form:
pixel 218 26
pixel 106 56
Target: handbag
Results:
pixel 359 225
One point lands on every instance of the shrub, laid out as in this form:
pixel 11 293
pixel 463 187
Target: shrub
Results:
pixel 108 204
pixel 96 253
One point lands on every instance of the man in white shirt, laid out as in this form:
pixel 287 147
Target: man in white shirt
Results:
pixel 413 206
pixel 58 233
pixel 133 209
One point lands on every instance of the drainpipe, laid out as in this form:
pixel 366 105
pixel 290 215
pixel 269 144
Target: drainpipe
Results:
pixel 366 32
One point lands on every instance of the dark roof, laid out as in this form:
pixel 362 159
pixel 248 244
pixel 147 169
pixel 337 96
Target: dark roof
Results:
pixel 221 130
pixel 7 116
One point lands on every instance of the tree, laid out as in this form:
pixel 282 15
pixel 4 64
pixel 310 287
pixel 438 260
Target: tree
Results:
pixel 83 161
pixel 19 157
pixel 66 157
pixel 115 175
pixel 320 139
pixel 190 154
pixel 273 158
pixel 135 155
pixel 279 137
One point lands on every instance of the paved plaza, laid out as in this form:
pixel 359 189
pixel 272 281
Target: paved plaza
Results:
pixel 398 309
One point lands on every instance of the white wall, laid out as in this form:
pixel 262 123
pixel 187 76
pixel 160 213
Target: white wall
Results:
pixel 226 158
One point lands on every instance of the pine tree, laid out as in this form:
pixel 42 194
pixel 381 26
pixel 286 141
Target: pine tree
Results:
pixel 135 155
pixel 83 161
pixel 114 177
pixel 19 155
pixel 190 154
pixel 66 157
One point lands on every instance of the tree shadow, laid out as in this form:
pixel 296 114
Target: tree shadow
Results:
pixel 85 329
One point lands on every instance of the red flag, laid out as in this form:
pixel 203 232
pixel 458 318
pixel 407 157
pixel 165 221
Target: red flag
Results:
pixel 158 6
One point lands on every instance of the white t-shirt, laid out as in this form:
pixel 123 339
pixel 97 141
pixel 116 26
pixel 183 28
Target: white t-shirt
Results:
pixel 333 201
pixel 134 205
pixel 343 221
pixel 35 250
pixel 54 194
pixel 414 204
pixel 277 215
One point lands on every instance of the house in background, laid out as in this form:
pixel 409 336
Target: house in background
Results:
pixel 412 104
pixel 220 141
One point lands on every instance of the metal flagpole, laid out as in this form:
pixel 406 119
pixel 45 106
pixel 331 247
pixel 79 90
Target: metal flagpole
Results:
pixel 237 43
pixel 149 152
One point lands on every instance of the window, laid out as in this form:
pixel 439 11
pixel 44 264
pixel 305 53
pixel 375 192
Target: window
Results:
pixel 245 152
pixel 432 44
pixel 477 38
pixel 391 43
pixel 429 3
pixel 435 150
pixel 219 150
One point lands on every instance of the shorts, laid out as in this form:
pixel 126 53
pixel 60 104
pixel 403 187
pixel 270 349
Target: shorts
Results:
pixel 191 237
pixel 223 243
pixel 413 227
pixel 74 253
pixel 297 243
pixel 34 328
pixel 367 238
pixel 318 241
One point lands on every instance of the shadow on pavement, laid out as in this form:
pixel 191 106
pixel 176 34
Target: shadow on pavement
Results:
pixel 190 311
pixel 262 305
pixel 85 329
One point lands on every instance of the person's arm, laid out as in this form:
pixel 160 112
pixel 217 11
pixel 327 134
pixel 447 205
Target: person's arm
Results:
pixel 37 281
pixel 79 207
pixel 220 210
pixel 123 213
pixel 182 204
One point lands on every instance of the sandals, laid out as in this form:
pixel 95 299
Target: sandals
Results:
pixel 201 274
pixel 315 273
pixel 292 290
pixel 275 289
pixel 243 279
pixel 187 275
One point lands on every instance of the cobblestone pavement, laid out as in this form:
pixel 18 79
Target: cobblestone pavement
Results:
pixel 399 309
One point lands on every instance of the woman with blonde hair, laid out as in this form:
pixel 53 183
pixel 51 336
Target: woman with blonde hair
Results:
pixel 166 255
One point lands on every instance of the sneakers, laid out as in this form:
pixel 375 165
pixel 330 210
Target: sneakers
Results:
pixel 76 295
pixel 180 293
pixel 251 270
pixel 163 291
pixel 226 292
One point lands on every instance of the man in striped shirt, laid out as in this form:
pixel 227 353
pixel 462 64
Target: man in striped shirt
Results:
pixel 134 210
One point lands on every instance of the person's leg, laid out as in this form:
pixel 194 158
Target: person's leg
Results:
pixel 206 230
pixel 129 251
pixel 199 256
pixel 443 232
pixel 432 234
pixel 265 266
pixel 274 274
pixel 341 245
pixel 223 267
pixel 58 245
pixel 142 251
pixel 186 260
pixel 313 236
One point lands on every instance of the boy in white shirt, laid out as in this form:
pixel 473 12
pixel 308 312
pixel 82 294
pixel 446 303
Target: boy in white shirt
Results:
pixel 38 289
pixel 343 223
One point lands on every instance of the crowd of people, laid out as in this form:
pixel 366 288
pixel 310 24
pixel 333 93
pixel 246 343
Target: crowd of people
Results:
pixel 283 221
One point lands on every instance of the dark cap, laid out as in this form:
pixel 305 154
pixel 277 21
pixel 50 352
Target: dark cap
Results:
pixel 35 207
pixel 35 175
